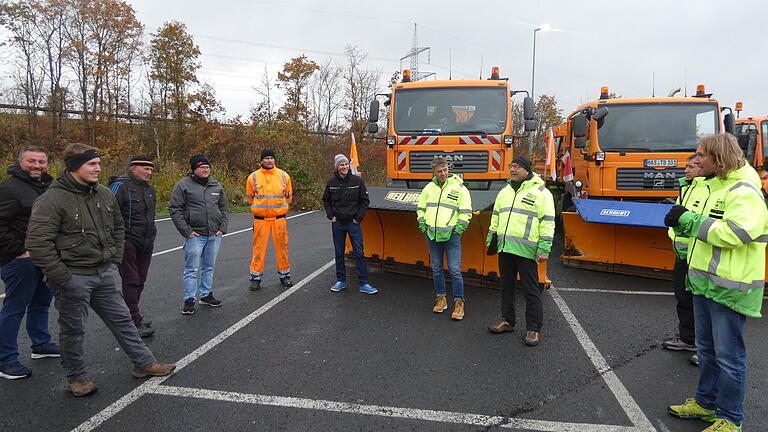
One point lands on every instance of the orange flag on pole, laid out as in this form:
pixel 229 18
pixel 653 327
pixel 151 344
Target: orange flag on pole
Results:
pixel 551 159
pixel 354 163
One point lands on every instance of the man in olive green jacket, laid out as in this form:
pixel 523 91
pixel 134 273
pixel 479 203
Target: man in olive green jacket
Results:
pixel 76 238
pixel 726 220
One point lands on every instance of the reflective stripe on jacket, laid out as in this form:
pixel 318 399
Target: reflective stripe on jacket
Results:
pixel 269 192
pixel 444 210
pixel 727 223
pixel 680 243
pixel 524 220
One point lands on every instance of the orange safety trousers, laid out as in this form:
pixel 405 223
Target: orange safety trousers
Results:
pixel 261 230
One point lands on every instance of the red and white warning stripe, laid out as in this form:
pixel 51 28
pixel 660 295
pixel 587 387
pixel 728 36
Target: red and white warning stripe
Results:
pixel 401 161
pixel 495 161
pixel 477 139
pixel 424 140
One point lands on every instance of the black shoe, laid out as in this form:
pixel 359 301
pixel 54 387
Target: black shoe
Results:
pixel 678 345
pixel 286 282
pixel 189 307
pixel 145 330
pixel 255 285
pixel 210 301
pixel 694 359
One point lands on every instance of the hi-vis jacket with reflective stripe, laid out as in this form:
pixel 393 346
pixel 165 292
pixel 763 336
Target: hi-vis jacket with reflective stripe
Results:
pixel 269 192
pixel 727 223
pixel 680 243
pixel 524 220
pixel 444 210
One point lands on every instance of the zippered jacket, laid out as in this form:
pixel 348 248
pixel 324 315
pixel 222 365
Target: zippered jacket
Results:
pixel 75 229
pixel 524 220
pixel 727 223
pixel 137 202
pixel 199 208
pixel 444 210
pixel 680 243
pixel 269 192
pixel 345 198
pixel 17 193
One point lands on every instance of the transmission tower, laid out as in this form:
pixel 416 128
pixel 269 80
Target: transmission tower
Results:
pixel 413 55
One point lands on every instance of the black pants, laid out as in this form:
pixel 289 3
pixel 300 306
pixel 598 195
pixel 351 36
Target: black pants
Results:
pixel 133 272
pixel 509 267
pixel 684 303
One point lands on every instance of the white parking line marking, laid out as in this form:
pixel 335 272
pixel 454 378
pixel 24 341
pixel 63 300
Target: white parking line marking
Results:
pixel 229 234
pixel 152 383
pixel 387 411
pixel 163 219
pixel 628 404
pixel 607 291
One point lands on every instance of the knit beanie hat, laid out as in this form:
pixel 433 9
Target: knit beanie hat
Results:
pixel 339 159
pixel 142 160
pixel 267 152
pixel 197 161
pixel 524 162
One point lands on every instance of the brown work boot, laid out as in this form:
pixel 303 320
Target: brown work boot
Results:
pixel 155 369
pixel 500 326
pixel 81 387
pixel 458 310
pixel 532 338
pixel 440 305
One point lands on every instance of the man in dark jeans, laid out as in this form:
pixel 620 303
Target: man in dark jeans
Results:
pixel 684 298
pixel 345 200
pixel 25 290
pixel 76 237
pixel 137 199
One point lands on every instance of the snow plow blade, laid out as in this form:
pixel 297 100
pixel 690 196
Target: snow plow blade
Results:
pixel 394 243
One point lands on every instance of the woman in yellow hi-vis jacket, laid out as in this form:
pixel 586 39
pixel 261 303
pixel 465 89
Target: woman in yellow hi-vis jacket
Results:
pixel 270 193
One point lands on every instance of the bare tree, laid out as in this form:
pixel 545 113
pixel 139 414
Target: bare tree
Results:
pixel 264 111
pixel 361 86
pixel 325 97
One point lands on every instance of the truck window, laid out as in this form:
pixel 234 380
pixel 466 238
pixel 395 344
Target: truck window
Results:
pixel 450 111
pixel 764 135
pixel 746 135
pixel 657 127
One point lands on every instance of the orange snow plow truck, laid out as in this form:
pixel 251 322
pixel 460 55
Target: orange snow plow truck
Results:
pixel 752 134
pixel 468 122
pixel 619 160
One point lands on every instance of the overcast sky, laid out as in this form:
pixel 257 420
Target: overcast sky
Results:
pixel 616 43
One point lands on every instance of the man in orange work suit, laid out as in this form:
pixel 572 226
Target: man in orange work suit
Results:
pixel 270 193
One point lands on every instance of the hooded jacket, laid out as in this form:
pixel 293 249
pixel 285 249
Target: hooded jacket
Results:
pixel 345 198
pixel 75 229
pixel 680 243
pixel 269 192
pixel 444 210
pixel 137 201
pixel 17 193
pixel 199 208
pixel 727 222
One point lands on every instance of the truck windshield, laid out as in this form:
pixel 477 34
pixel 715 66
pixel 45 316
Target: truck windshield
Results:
pixel 450 111
pixel 656 127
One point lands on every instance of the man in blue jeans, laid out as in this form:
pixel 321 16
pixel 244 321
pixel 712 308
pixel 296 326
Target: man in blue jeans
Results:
pixel 25 290
pixel 198 209
pixel 345 200
pixel 444 212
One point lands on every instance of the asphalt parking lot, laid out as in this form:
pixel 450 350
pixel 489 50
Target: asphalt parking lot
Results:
pixel 308 359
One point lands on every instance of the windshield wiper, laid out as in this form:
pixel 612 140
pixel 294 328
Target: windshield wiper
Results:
pixel 618 150
pixel 420 131
pixel 473 132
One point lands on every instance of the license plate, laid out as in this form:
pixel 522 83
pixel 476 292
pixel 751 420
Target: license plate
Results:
pixel 660 163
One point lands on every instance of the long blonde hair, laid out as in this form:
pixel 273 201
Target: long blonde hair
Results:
pixel 725 152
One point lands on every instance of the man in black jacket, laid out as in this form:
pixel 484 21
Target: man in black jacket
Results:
pixel 345 200
pixel 136 198
pixel 25 290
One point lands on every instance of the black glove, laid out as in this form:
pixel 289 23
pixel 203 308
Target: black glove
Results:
pixel 673 217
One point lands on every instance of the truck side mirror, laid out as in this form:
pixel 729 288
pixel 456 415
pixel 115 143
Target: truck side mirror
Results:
pixel 730 123
pixel 373 128
pixel 600 113
pixel 528 111
pixel 373 114
pixel 579 126
pixel 580 142
pixel 530 125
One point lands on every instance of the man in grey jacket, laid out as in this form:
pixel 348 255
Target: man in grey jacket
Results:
pixel 199 210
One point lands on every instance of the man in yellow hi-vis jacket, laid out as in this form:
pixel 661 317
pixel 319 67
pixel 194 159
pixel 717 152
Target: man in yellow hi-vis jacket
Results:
pixel 444 211
pixel 524 223
pixel 270 193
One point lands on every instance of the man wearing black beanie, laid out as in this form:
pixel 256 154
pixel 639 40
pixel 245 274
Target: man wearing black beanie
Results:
pixel 198 209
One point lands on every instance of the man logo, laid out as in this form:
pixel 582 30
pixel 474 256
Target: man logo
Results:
pixel 614 212
pixel 450 157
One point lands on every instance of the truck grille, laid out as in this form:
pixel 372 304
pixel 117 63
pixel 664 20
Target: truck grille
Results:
pixel 648 178
pixel 472 161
